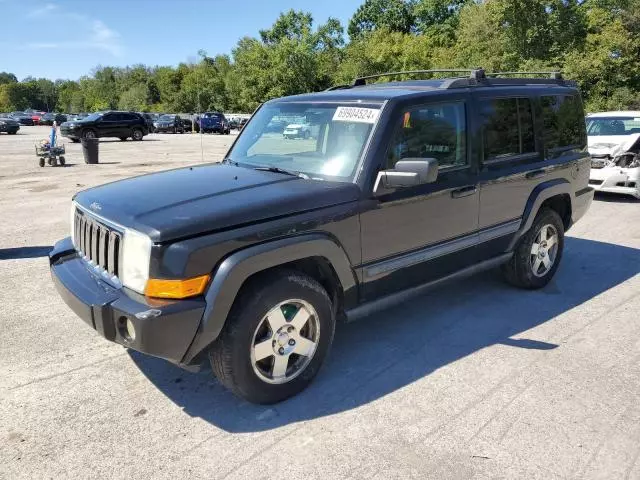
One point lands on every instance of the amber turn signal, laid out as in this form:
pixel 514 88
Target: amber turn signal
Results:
pixel 176 288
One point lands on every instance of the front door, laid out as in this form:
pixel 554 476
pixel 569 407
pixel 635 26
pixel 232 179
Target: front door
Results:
pixel 416 234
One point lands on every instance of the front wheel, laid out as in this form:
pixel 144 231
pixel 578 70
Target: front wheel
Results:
pixel 89 134
pixel 538 253
pixel 137 134
pixel 275 339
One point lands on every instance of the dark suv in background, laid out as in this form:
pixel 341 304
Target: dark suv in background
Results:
pixel 398 187
pixel 214 122
pixel 116 124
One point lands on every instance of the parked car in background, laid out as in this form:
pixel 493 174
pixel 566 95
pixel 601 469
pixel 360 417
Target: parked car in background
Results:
pixel 149 119
pixel 243 122
pixel 9 125
pixel 49 118
pixel 187 124
pixel 214 122
pixel 297 130
pixel 22 118
pixel 169 123
pixel 116 124
pixel 614 145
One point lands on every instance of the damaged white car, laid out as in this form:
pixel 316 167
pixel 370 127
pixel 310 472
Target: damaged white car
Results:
pixel 614 145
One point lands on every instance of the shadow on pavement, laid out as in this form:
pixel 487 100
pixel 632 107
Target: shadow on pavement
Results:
pixel 393 348
pixel 24 252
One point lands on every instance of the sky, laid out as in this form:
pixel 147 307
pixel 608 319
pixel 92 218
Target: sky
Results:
pixel 68 38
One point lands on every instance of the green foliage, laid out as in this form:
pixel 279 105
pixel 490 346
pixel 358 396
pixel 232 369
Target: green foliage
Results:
pixel 595 42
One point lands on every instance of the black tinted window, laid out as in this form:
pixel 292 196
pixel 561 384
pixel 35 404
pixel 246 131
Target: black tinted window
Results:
pixel 508 127
pixel 433 131
pixel 563 121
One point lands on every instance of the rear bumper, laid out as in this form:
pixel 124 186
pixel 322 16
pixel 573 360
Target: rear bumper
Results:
pixel 163 329
pixel 581 203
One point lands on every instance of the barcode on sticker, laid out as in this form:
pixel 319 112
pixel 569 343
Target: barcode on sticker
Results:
pixel 356 114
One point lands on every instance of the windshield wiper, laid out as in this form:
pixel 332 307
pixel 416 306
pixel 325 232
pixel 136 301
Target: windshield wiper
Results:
pixel 282 170
pixel 229 161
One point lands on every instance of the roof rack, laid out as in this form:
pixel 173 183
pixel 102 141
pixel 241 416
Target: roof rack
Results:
pixel 475 77
pixel 475 73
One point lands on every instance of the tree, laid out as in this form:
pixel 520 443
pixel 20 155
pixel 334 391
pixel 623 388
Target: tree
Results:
pixel 6 77
pixel 438 18
pixel 392 15
pixel 135 98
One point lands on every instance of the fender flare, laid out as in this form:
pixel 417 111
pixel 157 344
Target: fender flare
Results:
pixel 540 193
pixel 237 267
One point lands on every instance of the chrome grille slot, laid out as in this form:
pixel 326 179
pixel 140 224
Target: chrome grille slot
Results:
pixel 99 244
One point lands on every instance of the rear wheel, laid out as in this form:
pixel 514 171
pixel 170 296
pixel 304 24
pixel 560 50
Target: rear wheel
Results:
pixel 275 339
pixel 62 161
pixel 89 134
pixel 538 253
pixel 41 162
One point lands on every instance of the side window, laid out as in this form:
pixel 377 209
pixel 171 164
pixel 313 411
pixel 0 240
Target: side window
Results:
pixel 434 131
pixel 563 121
pixel 508 127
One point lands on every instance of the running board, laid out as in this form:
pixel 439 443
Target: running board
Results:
pixel 395 298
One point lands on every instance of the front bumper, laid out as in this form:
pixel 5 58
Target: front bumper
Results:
pixel 616 180
pixel 70 132
pixel 9 128
pixel 163 328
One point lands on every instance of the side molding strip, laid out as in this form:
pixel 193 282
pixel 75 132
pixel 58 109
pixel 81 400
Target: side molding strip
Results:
pixel 395 298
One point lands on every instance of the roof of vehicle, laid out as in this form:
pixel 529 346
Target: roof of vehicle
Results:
pixel 379 92
pixel 618 113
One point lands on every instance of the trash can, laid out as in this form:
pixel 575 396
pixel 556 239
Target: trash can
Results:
pixel 90 150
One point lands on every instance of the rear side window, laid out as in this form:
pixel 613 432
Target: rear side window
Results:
pixel 563 121
pixel 508 127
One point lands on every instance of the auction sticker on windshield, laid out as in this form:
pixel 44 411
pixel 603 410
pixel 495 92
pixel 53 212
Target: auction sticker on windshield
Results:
pixel 356 114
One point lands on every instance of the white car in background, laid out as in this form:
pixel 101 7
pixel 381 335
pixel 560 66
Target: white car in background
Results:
pixel 297 130
pixel 614 145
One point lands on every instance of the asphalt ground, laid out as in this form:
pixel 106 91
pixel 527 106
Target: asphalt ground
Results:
pixel 474 380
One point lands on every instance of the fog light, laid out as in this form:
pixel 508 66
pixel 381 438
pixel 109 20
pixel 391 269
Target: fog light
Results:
pixel 127 329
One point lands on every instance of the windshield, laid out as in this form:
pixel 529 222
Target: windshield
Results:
pixel 613 126
pixel 92 117
pixel 329 145
pixel 166 118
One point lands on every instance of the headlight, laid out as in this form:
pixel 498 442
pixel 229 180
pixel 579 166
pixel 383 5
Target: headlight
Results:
pixel 136 251
pixel 3 123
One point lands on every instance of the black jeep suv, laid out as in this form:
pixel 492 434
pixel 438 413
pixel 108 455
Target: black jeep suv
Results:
pixel 120 125
pixel 401 185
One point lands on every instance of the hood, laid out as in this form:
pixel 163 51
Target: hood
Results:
pixel 207 198
pixel 611 145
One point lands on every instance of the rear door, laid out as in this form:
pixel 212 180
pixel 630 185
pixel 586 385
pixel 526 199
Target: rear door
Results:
pixel 511 161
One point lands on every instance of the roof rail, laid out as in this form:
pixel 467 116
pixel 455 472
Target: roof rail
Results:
pixel 554 75
pixel 475 73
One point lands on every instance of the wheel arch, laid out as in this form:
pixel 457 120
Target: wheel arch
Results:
pixel 318 255
pixel 555 194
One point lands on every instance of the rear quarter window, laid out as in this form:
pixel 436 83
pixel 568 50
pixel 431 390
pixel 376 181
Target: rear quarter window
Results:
pixel 564 125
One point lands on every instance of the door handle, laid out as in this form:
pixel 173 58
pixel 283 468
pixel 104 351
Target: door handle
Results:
pixel 536 174
pixel 464 191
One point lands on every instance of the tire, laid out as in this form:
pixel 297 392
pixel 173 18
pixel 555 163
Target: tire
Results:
pixel 75 140
pixel 527 269
pixel 89 133
pixel 41 162
pixel 137 134
pixel 62 161
pixel 233 355
pixel 123 139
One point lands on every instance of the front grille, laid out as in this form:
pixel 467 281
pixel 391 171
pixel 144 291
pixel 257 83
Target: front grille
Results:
pixel 98 243
pixel 595 182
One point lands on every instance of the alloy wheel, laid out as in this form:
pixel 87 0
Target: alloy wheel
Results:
pixel 285 341
pixel 544 250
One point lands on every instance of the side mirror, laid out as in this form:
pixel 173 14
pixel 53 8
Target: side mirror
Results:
pixel 408 173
